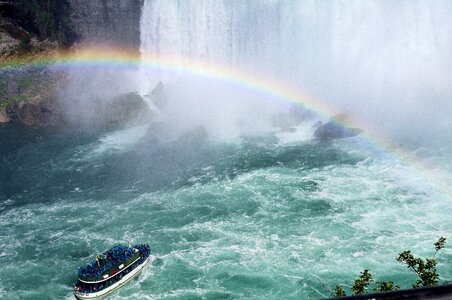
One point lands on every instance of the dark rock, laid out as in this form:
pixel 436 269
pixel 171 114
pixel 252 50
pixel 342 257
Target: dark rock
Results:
pixel 43 113
pixel 123 111
pixel 30 114
pixel 317 124
pixel 29 96
pixel 14 31
pixel 336 128
pixel 4 117
pixel 158 95
pixel 118 112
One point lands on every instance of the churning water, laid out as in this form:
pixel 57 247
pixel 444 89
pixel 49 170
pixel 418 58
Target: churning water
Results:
pixel 253 213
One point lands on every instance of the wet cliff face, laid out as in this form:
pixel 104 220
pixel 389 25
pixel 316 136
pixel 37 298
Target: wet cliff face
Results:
pixel 106 21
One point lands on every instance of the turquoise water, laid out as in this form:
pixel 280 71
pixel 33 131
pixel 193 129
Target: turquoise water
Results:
pixel 253 218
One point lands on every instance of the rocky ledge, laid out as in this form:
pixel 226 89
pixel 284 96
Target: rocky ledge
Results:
pixel 118 112
pixel 28 96
pixel 337 128
pixel 31 96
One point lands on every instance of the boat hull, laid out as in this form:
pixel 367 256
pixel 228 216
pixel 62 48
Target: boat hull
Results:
pixel 113 287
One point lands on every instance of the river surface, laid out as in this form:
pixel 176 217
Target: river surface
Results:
pixel 264 217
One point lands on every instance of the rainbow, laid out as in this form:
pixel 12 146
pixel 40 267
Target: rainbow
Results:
pixel 126 58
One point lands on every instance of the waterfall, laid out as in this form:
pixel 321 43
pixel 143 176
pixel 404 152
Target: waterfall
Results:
pixel 371 58
pixel 238 32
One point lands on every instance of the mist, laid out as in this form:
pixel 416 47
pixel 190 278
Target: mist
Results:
pixel 387 64
pixel 88 85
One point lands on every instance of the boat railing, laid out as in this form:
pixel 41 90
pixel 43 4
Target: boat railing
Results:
pixel 107 262
pixel 82 287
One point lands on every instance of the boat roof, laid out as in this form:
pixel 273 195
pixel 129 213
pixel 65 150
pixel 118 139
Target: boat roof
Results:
pixel 107 261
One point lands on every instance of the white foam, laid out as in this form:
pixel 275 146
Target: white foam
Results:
pixel 120 140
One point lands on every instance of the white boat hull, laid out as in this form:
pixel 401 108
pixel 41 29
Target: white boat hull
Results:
pixel 113 287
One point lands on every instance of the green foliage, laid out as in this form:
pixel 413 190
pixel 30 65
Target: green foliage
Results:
pixel 338 291
pixel 439 245
pixel 384 286
pixel 361 284
pixel 424 269
pixel 8 102
pixel 4 102
pixel 24 44
pixel 23 85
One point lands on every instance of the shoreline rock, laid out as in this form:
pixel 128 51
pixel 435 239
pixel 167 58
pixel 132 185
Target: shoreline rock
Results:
pixel 336 128
pixel 119 112
pixel 4 118
pixel 28 96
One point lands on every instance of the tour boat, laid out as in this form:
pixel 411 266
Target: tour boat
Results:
pixel 111 270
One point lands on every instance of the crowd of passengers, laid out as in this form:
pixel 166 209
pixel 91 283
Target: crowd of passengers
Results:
pixel 96 287
pixel 109 259
pixel 145 251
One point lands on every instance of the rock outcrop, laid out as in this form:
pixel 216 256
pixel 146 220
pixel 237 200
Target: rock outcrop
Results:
pixel 28 96
pixel 124 111
pixel 158 95
pixel 42 113
pixel 118 112
pixel 67 21
pixel 4 117
pixel 336 128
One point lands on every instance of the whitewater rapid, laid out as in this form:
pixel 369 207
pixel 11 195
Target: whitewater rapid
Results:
pixel 250 219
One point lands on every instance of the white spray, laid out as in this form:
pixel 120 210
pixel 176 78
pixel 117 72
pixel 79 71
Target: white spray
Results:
pixel 386 62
